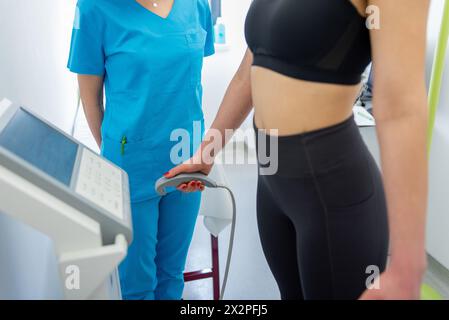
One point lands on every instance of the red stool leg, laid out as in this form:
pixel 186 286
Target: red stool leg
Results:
pixel 213 273
pixel 215 267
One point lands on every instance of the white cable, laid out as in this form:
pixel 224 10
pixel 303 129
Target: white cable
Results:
pixel 231 240
pixel 78 107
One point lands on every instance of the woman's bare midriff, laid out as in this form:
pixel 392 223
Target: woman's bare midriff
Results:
pixel 294 106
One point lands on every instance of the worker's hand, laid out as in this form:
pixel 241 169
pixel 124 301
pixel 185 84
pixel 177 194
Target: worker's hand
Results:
pixel 195 164
pixel 395 284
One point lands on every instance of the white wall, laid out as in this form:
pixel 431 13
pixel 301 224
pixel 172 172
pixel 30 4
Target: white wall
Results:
pixel 220 68
pixel 438 221
pixel 34 43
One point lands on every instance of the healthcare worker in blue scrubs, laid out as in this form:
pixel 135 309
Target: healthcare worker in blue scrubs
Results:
pixel 148 56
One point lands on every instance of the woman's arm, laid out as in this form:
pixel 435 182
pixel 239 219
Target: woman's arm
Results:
pixel 237 102
pixel 91 91
pixel 400 109
pixel 236 105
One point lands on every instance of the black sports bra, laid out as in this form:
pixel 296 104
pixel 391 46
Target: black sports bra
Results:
pixel 314 40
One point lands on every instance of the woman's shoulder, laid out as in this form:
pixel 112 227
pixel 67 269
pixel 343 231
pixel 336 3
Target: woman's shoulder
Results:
pixel 203 7
pixel 100 10
pixel 203 4
pixel 95 6
pixel 88 7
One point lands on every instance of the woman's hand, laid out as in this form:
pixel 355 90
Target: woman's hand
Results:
pixel 396 284
pixel 194 164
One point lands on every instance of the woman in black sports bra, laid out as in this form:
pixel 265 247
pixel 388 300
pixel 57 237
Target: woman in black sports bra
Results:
pixel 322 215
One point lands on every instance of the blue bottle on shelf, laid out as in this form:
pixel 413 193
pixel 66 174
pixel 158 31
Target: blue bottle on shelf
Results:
pixel 220 32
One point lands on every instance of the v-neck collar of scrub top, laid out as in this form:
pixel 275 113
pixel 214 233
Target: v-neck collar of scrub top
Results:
pixel 168 17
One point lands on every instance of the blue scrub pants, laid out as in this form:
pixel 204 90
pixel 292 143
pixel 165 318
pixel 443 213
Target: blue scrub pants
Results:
pixel 163 230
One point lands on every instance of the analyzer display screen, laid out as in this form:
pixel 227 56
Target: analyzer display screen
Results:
pixel 40 145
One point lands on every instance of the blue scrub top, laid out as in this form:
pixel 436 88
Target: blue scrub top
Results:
pixel 152 74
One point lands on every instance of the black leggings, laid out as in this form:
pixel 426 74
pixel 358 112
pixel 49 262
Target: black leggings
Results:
pixel 322 216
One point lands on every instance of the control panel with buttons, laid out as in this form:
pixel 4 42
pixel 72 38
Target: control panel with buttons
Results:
pixel 101 183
